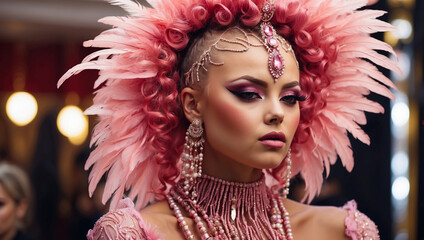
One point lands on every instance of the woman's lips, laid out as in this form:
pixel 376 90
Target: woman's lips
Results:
pixel 273 139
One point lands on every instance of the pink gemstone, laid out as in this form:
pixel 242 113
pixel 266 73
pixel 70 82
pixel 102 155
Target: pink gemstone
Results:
pixel 273 42
pixel 277 63
pixel 268 30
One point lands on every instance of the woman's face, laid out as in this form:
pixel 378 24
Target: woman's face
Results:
pixel 8 213
pixel 248 117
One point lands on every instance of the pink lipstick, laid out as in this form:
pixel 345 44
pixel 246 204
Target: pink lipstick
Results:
pixel 273 139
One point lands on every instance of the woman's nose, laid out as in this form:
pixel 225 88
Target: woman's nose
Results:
pixel 275 112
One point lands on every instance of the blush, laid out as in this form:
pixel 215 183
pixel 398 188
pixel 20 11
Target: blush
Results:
pixel 230 113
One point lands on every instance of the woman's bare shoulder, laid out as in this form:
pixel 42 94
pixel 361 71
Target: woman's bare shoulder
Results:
pixel 316 222
pixel 162 217
pixel 160 207
pixel 158 214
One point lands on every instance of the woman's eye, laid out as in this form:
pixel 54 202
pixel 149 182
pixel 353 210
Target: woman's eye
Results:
pixel 293 99
pixel 248 96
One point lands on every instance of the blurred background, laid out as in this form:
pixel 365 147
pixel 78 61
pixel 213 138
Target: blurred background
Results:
pixel 43 130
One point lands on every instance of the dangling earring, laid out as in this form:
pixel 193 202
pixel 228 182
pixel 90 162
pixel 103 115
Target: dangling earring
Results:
pixel 192 157
pixel 286 186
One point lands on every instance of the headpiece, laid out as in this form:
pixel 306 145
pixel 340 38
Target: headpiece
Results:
pixel 240 44
pixel 140 135
pixel 275 60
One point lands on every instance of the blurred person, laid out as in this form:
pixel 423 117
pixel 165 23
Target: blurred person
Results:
pixel 45 179
pixel 15 196
pixel 85 210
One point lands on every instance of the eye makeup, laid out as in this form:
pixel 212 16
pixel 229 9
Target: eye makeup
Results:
pixel 245 91
pixel 250 89
pixel 292 96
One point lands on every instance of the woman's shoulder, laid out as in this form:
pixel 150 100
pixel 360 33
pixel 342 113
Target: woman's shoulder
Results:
pixel 327 222
pixel 160 215
pixel 123 223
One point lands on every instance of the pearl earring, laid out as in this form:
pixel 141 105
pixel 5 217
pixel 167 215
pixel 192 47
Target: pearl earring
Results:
pixel 192 157
pixel 286 187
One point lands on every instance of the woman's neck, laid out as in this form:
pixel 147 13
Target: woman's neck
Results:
pixel 222 167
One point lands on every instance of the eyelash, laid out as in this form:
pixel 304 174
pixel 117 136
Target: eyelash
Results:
pixel 248 96
pixel 293 98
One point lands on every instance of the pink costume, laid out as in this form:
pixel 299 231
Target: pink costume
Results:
pixel 140 137
pixel 125 223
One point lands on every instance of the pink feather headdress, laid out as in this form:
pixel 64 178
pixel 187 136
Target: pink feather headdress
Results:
pixel 141 131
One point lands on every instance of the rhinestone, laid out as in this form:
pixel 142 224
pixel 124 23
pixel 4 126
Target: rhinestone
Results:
pixel 266 8
pixel 273 42
pixel 277 63
pixel 268 30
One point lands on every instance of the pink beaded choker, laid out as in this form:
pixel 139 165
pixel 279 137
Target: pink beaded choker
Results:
pixel 231 210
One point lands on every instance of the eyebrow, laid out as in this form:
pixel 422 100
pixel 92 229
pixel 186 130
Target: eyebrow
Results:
pixel 265 84
pixel 253 80
pixel 291 85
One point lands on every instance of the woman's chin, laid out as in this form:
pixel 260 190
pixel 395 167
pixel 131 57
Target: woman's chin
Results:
pixel 269 164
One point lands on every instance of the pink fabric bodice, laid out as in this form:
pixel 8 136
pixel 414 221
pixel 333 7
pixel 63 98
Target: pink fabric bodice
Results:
pixel 125 223
pixel 358 225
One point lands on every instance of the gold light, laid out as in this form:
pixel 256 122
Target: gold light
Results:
pixel 21 108
pixel 73 124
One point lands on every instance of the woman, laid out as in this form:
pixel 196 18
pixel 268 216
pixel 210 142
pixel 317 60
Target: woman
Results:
pixel 263 90
pixel 14 199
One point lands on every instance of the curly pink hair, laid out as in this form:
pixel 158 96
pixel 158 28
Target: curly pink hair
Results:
pixel 141 131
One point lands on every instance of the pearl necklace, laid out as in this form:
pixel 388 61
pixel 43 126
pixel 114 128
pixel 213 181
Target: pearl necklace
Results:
pixel 226 210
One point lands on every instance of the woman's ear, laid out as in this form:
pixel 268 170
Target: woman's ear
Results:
pixel 22 208
pixel 190 100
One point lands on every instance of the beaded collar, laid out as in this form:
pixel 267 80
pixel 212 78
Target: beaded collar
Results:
pixel 231 210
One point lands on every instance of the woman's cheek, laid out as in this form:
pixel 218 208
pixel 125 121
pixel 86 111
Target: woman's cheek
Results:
pixel 294 123
pixel 231 115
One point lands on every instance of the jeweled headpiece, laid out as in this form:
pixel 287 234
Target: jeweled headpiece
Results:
pixel 140 134
pixel 240 44
pixel 275 61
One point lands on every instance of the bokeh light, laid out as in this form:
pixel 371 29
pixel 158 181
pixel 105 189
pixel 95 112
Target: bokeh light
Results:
pixel 400 114
pixel 400 164
pixel 404 28
pixel 403 60
pixel 21 108
pixel 73 124
pixel 400 188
